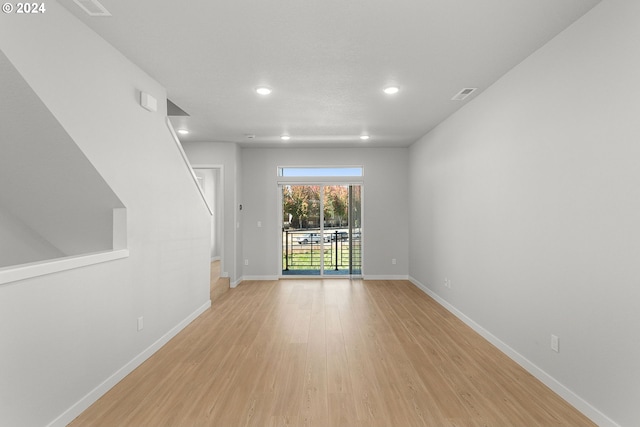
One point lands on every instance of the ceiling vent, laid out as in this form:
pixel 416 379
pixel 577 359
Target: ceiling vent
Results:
pixel 463 93
pixel 92 7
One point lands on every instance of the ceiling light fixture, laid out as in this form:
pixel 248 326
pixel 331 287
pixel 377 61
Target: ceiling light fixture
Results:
pixel 390 90
pixel 264 90
pixel 285 137
pixel 364 137
pixel 183 131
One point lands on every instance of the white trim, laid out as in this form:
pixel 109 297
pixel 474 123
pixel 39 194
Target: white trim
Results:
pixel 34 269
pixel 70 414
pixel 215 258
pixel 385 277
pixel 257 278
pixel 579 403
pixel 233 285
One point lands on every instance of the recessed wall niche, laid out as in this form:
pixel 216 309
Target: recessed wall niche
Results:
pixel 53 203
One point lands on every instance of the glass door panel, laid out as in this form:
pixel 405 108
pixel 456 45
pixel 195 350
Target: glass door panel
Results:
pixel 355 230
pixel 336 229
pixel 302 242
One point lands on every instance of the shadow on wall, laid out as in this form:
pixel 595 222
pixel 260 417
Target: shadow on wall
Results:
pixel 53 202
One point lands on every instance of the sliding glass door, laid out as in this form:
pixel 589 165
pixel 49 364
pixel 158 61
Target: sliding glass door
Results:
pixel 321 230
pixel 301 230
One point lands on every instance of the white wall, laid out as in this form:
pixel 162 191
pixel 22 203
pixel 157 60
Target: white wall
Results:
pixel 67 336
pixel 228 156
pixel 18 242
pixel 45 179
pixel 384 198
pixel 527 200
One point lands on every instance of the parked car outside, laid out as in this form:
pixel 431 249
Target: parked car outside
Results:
pixel 308 238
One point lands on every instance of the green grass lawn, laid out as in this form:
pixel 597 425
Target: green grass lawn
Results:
pixel 305 259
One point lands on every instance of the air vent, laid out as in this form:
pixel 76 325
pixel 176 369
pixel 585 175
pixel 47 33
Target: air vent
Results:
pixel 464 93
pixel 92 7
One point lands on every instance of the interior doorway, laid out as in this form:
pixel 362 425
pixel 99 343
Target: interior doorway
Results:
pixel 321 229
pixel 211 181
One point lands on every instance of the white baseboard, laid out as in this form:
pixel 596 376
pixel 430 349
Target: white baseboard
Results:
pixel 70 414
pixel 215 258
pixel 579 403
pixel 235 283
pixel 385 277
pixel 258 278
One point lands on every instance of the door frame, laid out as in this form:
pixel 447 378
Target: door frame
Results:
pixel 218 211
pixel 323 182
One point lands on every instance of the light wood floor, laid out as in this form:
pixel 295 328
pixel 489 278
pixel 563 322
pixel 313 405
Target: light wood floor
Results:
pixel 329 353
pixel 218 285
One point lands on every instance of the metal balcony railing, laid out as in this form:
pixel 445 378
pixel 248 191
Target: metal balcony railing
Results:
pixel 302 251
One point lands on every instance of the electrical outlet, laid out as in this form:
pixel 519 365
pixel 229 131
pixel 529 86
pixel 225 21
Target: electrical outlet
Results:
pixel 246 262
pixel 447 283
pixel 555 343
pixel 393 261
pixel 140 323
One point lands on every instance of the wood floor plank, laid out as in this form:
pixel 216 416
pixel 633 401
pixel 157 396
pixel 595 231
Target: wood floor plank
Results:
pixel 342 410
pixel 314 411
pixel 329 353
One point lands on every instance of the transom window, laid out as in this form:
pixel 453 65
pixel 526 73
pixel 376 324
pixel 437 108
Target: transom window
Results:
pixel 316 171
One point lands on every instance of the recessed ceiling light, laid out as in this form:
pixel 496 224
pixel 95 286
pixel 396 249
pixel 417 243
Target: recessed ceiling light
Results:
pixel 364 137
pixel 183 131
pixel 264 90
pixel 390 90
pixel 285 137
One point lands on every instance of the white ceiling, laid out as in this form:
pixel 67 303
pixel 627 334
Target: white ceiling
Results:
pixel 326 60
